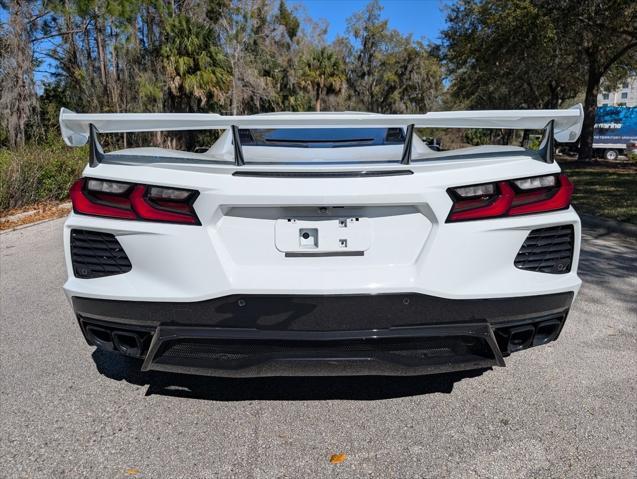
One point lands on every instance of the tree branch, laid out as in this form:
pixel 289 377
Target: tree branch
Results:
pixel 617 56
pixel 59 34
pixel 628 33
pixel 35 18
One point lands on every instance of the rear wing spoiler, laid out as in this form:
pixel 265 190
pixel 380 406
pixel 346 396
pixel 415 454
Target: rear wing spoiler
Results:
pixel 561 125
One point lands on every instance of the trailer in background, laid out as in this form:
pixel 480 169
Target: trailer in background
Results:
pixel 615 131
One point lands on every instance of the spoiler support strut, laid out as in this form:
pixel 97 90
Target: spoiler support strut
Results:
pixel 547 147
pixel 236 142
pixel 409 136
pixel 96 153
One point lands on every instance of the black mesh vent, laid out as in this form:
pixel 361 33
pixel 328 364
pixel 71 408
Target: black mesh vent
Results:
pixel 95 255
pixel 547 250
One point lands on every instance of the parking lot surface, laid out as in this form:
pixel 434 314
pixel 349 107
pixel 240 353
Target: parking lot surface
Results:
pixel 568 409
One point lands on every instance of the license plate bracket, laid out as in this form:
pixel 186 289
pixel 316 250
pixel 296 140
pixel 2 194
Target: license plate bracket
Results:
pixel 323 235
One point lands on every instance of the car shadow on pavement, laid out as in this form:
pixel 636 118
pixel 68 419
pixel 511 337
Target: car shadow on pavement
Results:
pixel 362 388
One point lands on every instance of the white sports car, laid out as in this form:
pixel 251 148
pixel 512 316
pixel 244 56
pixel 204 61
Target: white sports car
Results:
pixel 321 243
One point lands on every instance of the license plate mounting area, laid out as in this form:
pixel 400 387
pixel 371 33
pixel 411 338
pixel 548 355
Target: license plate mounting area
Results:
pixel 347 234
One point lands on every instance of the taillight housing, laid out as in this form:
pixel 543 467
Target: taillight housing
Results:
pixel 131 201
pixel 537 194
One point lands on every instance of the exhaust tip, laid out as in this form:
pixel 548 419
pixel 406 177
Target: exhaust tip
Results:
pixel 100 337
pixel 526 335
pixel 128 343
pixel 546 332
pixel 520 338
pixel 132 342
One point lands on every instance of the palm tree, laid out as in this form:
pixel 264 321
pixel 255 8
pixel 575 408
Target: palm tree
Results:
pixel 323 73
pixel 196 69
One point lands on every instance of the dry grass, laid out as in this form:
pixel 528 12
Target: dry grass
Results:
pixel 46 210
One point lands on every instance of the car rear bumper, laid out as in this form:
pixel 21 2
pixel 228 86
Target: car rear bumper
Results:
pixel 269 335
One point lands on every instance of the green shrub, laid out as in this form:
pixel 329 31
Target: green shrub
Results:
pixel 38 172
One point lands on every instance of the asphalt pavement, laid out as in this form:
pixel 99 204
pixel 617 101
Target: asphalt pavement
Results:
pixel 568 409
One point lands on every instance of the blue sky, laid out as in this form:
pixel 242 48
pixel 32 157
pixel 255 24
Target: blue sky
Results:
pixel 423 18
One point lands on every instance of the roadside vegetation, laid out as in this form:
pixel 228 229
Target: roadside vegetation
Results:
pixel 251 56
pixel 38 173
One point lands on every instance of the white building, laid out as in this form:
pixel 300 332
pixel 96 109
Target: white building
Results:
pixel 624 95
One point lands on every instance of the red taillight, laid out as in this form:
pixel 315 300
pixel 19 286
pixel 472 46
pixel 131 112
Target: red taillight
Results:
pixel 150 210
pixel 552 199
pixel 99 204
pixel 496 205
pixel 133 202
pixel 510 198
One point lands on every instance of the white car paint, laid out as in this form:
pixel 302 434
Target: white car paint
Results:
pixel 237 250
pixel 75 126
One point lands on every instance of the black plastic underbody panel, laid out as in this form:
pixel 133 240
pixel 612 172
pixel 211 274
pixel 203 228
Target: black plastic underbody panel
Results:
pixel 323 313
pixel 259 335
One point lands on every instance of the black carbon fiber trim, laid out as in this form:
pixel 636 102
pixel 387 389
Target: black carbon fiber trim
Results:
pixel 323 313
pixel 323 174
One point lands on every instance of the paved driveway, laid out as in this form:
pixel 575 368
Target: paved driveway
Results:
pixel 568 409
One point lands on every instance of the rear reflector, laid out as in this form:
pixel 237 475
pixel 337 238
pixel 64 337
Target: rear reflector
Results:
pixel 510 198
pixel 120 200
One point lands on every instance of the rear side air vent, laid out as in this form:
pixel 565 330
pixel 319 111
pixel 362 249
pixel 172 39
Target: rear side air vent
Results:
pixel 547 250
pixel 96 254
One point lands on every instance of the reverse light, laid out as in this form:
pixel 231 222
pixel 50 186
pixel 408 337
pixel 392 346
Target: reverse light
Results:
pixel 160 193
pixel 478 190
pixel 535 182
pixel 101 186
pixel 113 199
pixel 538 194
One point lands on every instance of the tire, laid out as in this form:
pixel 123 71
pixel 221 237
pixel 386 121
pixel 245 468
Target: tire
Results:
pixel 611 155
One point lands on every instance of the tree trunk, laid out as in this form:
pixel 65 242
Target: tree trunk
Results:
pixel 87 51
pixel 317 100
pixel 18 100
pixel 235 79
pixel 149 29
pixel 74 61
pixel 554 95
pixel 234 92
pixel 590 109
pixel 101 54
pixel 115 91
